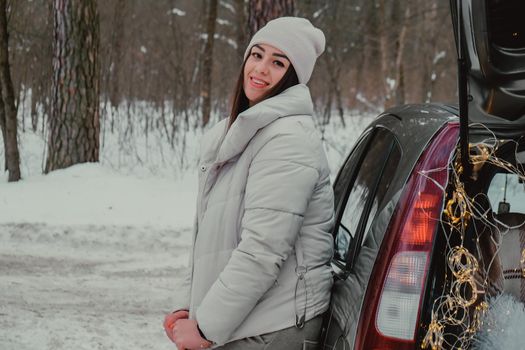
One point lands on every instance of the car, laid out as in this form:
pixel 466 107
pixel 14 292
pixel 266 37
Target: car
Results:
pixel 430 202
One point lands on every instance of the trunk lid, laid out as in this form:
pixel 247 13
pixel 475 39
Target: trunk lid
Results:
pixel 490 40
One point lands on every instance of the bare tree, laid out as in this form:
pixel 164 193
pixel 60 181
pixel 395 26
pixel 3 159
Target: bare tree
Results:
pixel 8 122
pixel 399 67
pixel 74 124
pixel 116 54
pixel 207 63
pixel 240 11
pixel 338 49
pixel 392 26
pixel 262 11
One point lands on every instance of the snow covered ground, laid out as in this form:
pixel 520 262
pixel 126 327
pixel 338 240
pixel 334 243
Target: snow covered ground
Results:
pixel 87 286
pixel 89 255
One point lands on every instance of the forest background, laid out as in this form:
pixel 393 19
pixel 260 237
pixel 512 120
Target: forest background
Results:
pixel 181 58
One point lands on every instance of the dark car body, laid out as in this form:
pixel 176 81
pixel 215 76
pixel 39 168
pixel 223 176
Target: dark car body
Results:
pixel 392 237
pixel 382 162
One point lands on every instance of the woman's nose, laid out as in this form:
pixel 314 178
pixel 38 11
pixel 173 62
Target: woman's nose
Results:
pixel 262 67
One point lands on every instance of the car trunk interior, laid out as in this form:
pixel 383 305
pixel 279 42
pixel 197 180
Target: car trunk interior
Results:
pixel 498 227
pixel 494 234
pixel 484 215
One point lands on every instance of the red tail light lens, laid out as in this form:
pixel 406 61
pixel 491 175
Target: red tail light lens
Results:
pixel 395 290
pixel 419 230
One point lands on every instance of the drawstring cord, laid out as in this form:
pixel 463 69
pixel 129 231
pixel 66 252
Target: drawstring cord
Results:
pixel 300 271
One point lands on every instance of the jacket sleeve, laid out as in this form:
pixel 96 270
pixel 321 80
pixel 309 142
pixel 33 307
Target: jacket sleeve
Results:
pixel 182 292
pixel 280 183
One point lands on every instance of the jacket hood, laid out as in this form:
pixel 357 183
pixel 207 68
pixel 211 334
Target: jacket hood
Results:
pixel 295 100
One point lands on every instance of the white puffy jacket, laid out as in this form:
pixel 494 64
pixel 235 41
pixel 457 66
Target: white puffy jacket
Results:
pixel 264 206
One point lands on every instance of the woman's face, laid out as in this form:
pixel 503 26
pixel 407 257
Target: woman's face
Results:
pixel 264 68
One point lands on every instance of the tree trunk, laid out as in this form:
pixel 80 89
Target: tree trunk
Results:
pixel 335 90
pixel 34 114
pixel 3 130
pixel 262 11
pixel 374 79
pixel 385 57
pixel 400 49
pixel 8 119
pixel 241 22
pixel 74 123
pixel 116 54
pixel 428 69
pixel 207 68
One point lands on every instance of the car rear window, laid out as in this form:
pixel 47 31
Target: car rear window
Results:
pixel 363 184
pixel 506 194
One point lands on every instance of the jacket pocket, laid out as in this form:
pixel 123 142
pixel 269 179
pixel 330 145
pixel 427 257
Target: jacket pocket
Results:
pixel 310 345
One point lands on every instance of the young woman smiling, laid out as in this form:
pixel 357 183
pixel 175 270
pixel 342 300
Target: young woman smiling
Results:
pixel 259 275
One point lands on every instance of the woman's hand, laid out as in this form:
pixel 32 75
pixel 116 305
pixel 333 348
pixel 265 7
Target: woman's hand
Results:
pixel 170 319
pixel 187 336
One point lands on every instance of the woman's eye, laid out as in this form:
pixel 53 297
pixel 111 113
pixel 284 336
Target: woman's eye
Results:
pixel 279 63
pixel 256 55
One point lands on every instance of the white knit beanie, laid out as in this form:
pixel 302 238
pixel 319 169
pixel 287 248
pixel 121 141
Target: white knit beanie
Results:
pixel 301 42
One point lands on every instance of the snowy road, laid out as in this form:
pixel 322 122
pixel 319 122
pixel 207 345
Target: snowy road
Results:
pixel 87 287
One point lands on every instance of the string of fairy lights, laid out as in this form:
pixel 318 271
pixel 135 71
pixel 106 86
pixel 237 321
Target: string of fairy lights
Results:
pixel 458 313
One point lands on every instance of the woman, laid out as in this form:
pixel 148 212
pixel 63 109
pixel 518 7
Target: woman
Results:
pixel 259 276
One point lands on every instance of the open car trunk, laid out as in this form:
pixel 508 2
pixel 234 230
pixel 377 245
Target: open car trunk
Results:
pixel 482 249
pixel 490 41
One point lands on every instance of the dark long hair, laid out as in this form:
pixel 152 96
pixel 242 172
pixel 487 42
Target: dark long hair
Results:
pixel 240 102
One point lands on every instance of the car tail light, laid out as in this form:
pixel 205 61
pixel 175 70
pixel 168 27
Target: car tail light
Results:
pixel 395 290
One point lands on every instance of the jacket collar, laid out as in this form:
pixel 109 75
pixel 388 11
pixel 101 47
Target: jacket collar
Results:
pixel 293 101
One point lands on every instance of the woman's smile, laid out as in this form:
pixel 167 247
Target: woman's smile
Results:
pixel 258 83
